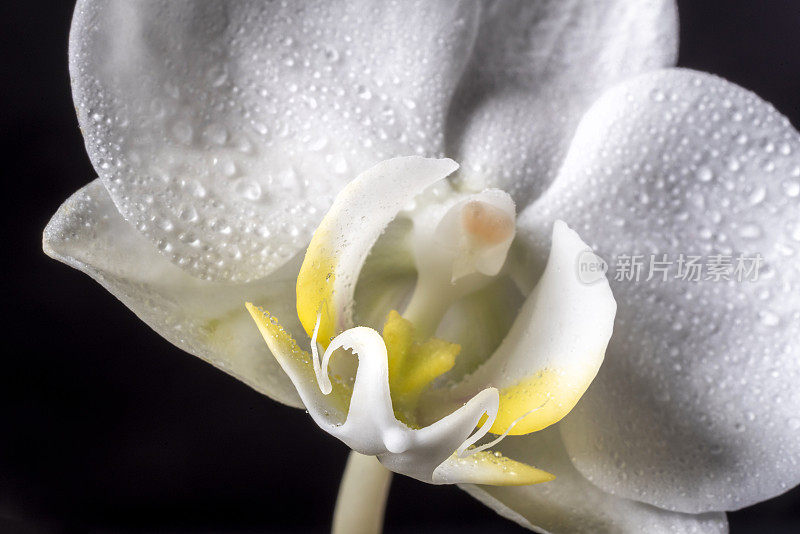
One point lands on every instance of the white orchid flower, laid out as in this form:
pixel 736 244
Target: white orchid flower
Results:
pixel 221 133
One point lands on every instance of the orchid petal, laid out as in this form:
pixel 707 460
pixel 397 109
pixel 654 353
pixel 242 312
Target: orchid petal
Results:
pixel 328 409
pixel 555 346
pixel 362 210
pixel 696 407
pixel 536 68
pixel 572 505
pixel 201 317
pixel 222 130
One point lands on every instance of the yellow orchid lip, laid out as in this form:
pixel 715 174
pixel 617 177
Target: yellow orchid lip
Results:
pixel 465 465
pixel 413 364
pixel 531 381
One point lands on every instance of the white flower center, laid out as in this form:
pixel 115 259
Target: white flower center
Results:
pixel 459 245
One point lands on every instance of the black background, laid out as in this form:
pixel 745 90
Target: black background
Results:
pixel 106 427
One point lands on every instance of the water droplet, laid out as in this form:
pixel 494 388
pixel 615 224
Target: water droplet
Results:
pixel 248 189
pixel 758 194
pixel 657 95
pixel 198 190
pixel 259 127
pixel 227 167
pixel 188 214
pixel 791 188
pixel 216 134
pixel 750 231
pixel 768 318
pixel 331 54
pixel 704 174
pixel 339 164
pixel 363 92
pixel 795 232
pixel 318 144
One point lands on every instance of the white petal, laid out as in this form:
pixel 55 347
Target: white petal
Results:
pixel 536 68
pixel 696 407
pixel 362 210
pixel 224 129
pixel 571 505
pixel 207 319
pixel 555 346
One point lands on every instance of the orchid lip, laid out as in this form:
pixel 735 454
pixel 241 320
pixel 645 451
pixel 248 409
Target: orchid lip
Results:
pixel 394 437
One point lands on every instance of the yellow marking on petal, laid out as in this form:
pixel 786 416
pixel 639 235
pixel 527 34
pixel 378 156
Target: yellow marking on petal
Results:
pixel 494 469
pixel 549 395
pixel 413 364
pixel 432 359
pixel 291 356
pixel 315 288
pixel 398 334
pixel 210 326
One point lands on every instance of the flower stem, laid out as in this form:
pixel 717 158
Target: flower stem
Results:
pixel 362 496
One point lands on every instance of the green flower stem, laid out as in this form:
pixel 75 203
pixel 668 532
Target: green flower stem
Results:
pixel 362 496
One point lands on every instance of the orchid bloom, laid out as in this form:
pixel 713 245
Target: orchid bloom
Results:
pixel 295 155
